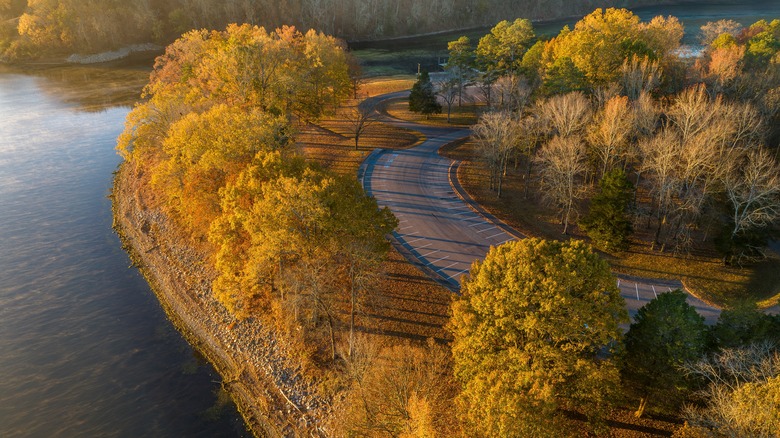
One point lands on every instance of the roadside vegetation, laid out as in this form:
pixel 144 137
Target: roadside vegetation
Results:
pixel 249 141
pixel 694 139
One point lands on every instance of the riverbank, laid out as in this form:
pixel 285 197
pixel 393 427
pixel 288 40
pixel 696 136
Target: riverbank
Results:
pixel 266 386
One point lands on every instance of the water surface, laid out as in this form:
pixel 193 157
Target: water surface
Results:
pixel 85 349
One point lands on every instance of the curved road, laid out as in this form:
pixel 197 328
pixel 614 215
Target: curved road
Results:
pixel 441 229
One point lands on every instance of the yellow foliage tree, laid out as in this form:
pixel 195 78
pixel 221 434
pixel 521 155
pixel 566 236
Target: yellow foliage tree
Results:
pixel 534 329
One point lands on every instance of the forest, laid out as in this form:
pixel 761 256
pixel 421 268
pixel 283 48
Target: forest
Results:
pixel 605 119
pixel 35 28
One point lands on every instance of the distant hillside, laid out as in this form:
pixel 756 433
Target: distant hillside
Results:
pixel 33 28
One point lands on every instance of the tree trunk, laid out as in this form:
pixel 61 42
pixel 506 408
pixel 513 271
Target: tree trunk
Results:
pixel 641 409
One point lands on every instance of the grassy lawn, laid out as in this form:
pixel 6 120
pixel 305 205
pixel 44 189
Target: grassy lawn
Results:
pixel 463 116
pixel 331 141
pixel 702 271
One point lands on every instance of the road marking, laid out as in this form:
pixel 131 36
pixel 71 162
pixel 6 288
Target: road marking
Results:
pixel 618 283
pixel 656 295
pixel 636 286
pixel 422 247
pixel 460 273
pixel 496 235
pixel 432 252
pixel 448 266
pixel 438 260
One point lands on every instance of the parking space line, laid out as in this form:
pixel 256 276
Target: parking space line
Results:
pixel 656 295
pixel 636 286
pixel 449 266
pixel 432 252
pixel 438 260
pixel 496 235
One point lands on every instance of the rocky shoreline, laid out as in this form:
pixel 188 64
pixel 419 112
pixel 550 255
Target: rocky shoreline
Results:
pixel 265 384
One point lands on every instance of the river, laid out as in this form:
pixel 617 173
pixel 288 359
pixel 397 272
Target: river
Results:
pixel 85 349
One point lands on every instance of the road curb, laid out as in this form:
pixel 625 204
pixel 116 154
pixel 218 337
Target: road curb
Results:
pixel 460 192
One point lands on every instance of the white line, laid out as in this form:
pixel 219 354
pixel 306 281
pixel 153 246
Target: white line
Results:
pixel 656 295
pixel 414 240
pixel 438 260
pixel 618 283
pixel 636 286
pixel 491 228
pixel 459 273
pixel 670 289
pixel 424 246
pixel 448 266
pixel 478 224
pixel 432 252
pixel 496 235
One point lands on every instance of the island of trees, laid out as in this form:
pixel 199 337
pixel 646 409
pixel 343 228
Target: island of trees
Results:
pixel 533 345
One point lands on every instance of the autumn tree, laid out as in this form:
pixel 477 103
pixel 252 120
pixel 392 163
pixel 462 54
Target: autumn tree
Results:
pixel 604 39
pixel 742 396
pixel 501 51
pixel 666 334
pixel 403 390
pixel 519 355
pixel 608 222
pixel 422 98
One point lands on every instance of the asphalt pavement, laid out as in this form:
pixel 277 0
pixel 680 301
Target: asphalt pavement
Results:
pixel 441 229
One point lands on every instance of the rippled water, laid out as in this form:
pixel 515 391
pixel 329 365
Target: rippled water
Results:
pixel 85 349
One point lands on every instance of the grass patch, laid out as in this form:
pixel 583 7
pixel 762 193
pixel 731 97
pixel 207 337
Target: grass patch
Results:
pixel 462 116
pixel 388 84
pixel 702 271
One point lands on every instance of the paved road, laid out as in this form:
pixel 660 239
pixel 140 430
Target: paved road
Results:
pixel 443 232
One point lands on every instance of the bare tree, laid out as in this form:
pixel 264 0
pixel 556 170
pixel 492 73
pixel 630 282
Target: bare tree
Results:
pixel 712 30
pixel 639 75
pixel 752 187
pixel 659 159
pixel 609 135
pixel 565 115
pixel 513 92
pixel 360 117
pixel 561 162
pixel 741 394
pixel 497 136
pixel 693 110
pixel 448 90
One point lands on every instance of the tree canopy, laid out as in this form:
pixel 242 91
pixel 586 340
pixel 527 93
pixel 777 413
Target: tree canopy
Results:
pixel 666 334
pixel 535 327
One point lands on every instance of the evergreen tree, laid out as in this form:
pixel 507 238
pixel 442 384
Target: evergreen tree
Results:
pixel 422 99
pixel 667 333
pixel 608 222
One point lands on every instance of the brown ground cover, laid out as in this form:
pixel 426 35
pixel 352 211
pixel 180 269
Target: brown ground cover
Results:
pixel 701 269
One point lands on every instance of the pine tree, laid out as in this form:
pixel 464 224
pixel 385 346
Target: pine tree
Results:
pixel 422 99
pixel 608 222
